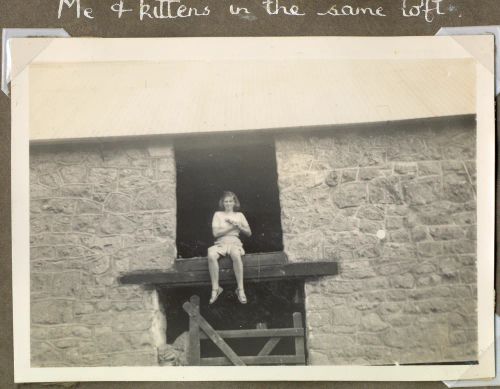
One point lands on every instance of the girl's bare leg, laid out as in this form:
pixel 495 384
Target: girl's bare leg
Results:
pixel 238 268
pixel 213 268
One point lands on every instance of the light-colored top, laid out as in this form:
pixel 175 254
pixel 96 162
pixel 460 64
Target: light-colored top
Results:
pixel 220 220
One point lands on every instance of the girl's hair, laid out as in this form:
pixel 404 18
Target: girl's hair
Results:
pixel 229 194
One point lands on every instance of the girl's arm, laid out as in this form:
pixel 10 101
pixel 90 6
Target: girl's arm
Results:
pixel 218 230
pixel 244 227
pixel 221 231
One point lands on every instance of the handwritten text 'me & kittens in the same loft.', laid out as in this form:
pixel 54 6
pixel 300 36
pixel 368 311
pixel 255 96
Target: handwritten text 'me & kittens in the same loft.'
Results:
pixel 426 10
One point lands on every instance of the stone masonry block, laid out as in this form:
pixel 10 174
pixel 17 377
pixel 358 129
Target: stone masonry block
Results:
pixel 73 174
pixel 373 323
pixel 386 190
pixel 345 316
pixel 350 195
pixel 422 191
pixel 54 311
pixel 118 203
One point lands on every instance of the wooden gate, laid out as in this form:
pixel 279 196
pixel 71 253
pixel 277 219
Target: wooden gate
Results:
pixel 197 322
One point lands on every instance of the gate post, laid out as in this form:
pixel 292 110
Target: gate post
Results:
pixel 193 357
pixel 299 340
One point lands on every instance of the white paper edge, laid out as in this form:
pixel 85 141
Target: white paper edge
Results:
pixel 480 30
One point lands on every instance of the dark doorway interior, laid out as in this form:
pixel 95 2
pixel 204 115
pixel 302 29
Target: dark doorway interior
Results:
pixel 272 303
pixel 208 165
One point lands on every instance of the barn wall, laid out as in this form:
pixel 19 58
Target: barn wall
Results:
pixel 97 211
pixel 396 208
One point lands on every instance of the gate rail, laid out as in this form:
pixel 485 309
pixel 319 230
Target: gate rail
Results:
pixel 198 322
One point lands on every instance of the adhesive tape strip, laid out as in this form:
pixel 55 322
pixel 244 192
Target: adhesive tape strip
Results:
pixel 481 57
pixel 479 383
pixel 38 46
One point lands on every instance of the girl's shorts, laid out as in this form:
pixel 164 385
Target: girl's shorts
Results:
pixel 224 249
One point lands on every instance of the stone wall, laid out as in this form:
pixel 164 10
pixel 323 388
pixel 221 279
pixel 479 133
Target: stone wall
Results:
pixel 397 210
pixel 98 210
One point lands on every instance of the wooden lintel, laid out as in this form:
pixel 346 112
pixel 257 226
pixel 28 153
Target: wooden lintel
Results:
pixel 252 272
pixel 249 260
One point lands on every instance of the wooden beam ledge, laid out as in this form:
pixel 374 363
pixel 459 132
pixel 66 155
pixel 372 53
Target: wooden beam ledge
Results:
pixel 257 268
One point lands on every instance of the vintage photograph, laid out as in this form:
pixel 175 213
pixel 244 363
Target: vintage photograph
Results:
pixel 284 212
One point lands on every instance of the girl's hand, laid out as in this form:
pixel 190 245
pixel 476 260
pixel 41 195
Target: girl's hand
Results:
pixel 234 223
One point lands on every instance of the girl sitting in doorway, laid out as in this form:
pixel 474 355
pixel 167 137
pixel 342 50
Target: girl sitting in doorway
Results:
pixel 227 224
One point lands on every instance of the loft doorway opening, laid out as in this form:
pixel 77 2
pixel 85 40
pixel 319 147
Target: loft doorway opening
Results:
pixel 208 165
